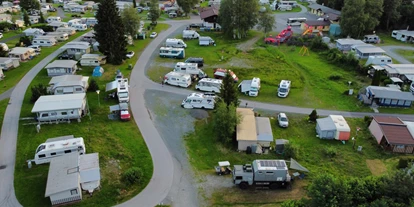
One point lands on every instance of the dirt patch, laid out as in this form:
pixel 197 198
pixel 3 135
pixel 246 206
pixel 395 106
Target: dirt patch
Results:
pixel 112 170
pixel 235 62
pixel 248 45
pixel 376 167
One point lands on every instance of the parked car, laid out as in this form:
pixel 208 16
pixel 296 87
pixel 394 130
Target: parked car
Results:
pixel 65 56
pixel 130 54
pixel 146 8
pixel 153 34
pixel 198 60
pixel 283 120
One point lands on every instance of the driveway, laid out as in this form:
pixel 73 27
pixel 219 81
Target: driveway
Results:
pixel 390 50
pixel 61 13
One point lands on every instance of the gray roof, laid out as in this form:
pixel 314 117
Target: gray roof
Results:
pixel 349 41
pixel 77 45
pixel 390 93
pixel 61 64
pixel 6 59
pixel 396 80
pixel 369 49
pixel 63 174
pixel 58 102
pixel 21 50
pixel 324 9
pixel 264 129
pixel 63 78
pixel 281 141
pixel 405 32
pixel 326 124
pixel 89 167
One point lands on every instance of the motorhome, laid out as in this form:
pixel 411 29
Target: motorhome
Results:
pixel 209 85
pixel 177 79
pixel 123 90
pixel 33 32
pixel 58 146
pixel 51 19
pixel 44 41
pixel 171 52
pixel 92 60
pixel 378 60
pixel 91 21
pixel 205 41
pixel 284 88
pixel 190 34
pixel 59 36
pixel 199 100
pixel 191 69
pixel 79 27
pixel 250 87
pixel 68 30
pixel 177 43
pixel 296 21
pixel 74 21
pixel 371 39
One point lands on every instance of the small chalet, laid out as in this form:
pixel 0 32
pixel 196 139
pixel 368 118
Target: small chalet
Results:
pixel 393 134
pixel 326 12
pixel 209 16
pixel 316 25
pixel 386 96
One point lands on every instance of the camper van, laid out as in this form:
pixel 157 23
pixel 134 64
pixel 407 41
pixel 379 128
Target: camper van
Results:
pixel 177 43
pixel 191 69
pixel 209 85
pixel 190 34
pixel 378 60
pixel 92 60
pixel 91 21
pixel 284 88
pixel 178 79
pixel 53 19
pixel 80 27
pixel 45 41
pixel 74 21
pixel 371 39
pixel 205 41
pixel 171 52
pixel 68 30
pixel 199 100
pixel 57 147
pixel 123 91
pixel 250 87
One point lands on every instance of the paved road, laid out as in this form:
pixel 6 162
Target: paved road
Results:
pixel 6 94
pixel 11 38
pixel 60 13
pixel 390 50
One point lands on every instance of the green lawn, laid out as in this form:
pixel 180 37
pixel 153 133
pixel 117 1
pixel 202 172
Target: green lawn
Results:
pixel 3 105
pixel 407 54
pixel 204 4
pixel 120 144
pixel 10 34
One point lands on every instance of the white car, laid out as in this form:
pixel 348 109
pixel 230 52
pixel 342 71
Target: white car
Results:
pixel 130 54
pixel 283 120
pixel 153 34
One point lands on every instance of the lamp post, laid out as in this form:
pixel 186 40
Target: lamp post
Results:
pixel 99 102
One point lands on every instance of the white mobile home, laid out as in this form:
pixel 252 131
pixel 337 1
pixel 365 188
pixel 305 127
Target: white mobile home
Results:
pixel 79 27
pixel 199 100
pixel 346 44
pixel 205 41
pixel 78 8
pixel 68 30
pixel 77 47
pixel 34 19
pixel 403 35
pixel 58 146
pixel 88 37
pixel 378 60
pixel 92 60
pixel 209 85
pixel 91 21
pixel 9 63
pixel 44 41
pixel 68 84
pixel 56 25
pixel 33 32
pixel 60 108
pixel 51 19
pixel 58 36
pixel 191 69
pixel 364 51
pixel 170 52
pixel 61 67
pixel 177 79
pixel 177 43
pixel 22 53
pixel 250 87
pixel 74 21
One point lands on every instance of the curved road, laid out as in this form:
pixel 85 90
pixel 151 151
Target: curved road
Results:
pixel 390 50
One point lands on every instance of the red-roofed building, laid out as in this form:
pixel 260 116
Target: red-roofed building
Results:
pixel 392 134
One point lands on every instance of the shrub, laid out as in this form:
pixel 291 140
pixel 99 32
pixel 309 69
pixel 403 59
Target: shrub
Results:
pixel 316 44
pixel 330 151
pixel 402 163
pixel 38 91
pixel 291 151
pixel 45 28
pixel 387 81
pixel 93 86
pixel 313 116
pixel 335 77
pixel 346 92
pixel 368 120
pixel 27 41
pixel 132 176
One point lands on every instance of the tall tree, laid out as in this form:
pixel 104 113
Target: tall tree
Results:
pixel 353 18
pixel 225 120
pixel 154 11
pixel 110 32
pixel 26 18
pixel 228 91
pixel 266 21
pixel 407 14
pixel 134 3
pixel 237 17
pixel 391 13
pixel 376 80
pixel 42 18
pixel 187 5
pixel 131 21
pixel 29 5
pixel 373 10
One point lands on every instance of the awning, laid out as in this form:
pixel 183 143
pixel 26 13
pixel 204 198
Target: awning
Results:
pixel 224 163
pixel 245 85
pixel 396 80
pixel 410 77
pixel 114 108
pixel 296 166
pixel 111 86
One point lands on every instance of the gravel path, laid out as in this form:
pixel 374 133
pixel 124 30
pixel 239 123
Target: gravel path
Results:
pixel 390 50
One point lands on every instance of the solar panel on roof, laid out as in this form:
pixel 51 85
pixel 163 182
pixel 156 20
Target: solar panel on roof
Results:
pixel 272 163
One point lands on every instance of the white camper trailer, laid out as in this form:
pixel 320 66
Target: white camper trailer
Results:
pixel 68 30
pixel 74 21
pixel 191 69
pixel 171 52
pixel 79 27
pixel 58 146
pixel 59 36
pixel 92 60
pixel 190 34
pixel 209 85
pixel 53 19
pixel 205 41
pixel 250 87
pixel 378 60
pixel 199 100
pixel 122 87
pixel 177 43
pixel 34 32
pixel 284 88
pixel 177 79
pixel 45 41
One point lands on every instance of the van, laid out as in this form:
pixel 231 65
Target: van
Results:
pixel 209 85
pixel 68 30
pixel 53 19
pixel 177 43
pixel 177 79
pixel 172 15
pixel 205 41
pixel 371 39
pixel 198 60
pixel 80 27
pixel 284 88
pixel 250 87
pixel 190 34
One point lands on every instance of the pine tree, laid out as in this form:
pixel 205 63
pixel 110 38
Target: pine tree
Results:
pixel 29 5
pixel 313 116
pixel 110 32
pixel 376 80
pixel 228 91
pixel 42 18
pixel 134 3
pixel 154 11
pixel 26 18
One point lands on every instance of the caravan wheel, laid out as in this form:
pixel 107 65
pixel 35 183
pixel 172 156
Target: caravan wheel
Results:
pixel 243 185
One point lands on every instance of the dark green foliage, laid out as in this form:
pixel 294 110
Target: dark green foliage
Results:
pixel 37 91
pixel 387 81
pixel 313 115
pixel 392 13
pixel 291 151
pixel 29 5
pixel 402 163
pixel 3 53
pixel 368 120
pixel 93 86
pixel 228 92
pixel 266 21
pixel 154 11
pixel 27 41
pixel 110 32
pixel 186 5
pixel 376 80
pixel 330 151
pixel 132 176
pixel 335 4
pixel 336 57
pixel 335 77
pixel 5 26
pixel 225 120
pixel 42 18
pixel 316 44
pixel 134 3
pixel 45 28
pixel 26 18
pixel 295 203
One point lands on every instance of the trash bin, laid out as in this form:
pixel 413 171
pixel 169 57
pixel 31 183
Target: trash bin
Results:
pixel 130 66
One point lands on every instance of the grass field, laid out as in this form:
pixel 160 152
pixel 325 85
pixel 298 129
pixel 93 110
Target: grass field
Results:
pixel 10 34
pixel 3 105
pixel 407 54
pixel 311 86
pixel 120 144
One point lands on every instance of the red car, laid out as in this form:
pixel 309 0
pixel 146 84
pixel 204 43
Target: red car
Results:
pixel 220 73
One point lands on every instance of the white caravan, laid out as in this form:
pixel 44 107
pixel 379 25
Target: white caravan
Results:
pixel 53 19
pixel 177 43
pixel 74 21
pixel 68 30
pixel 45 41
pixel 199 100
pixel 250 87
pixel 171 52
pixel 178 79
pixel 191 69
pixel 122 91
pixel 190 34
pixel 205 41
pixel 57 147
pixel 284 88
pixel 378 60
pixel 209 85
pixel 59 36
pixel 79 27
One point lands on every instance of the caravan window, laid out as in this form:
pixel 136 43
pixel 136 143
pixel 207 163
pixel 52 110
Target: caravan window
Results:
pixel 64 113
pixel 53 114
pixel 42 156
pixel 45 115
pixel 53 153
pixel 59 91
pixel 78 89
pixel 74 192
pixel 68 151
